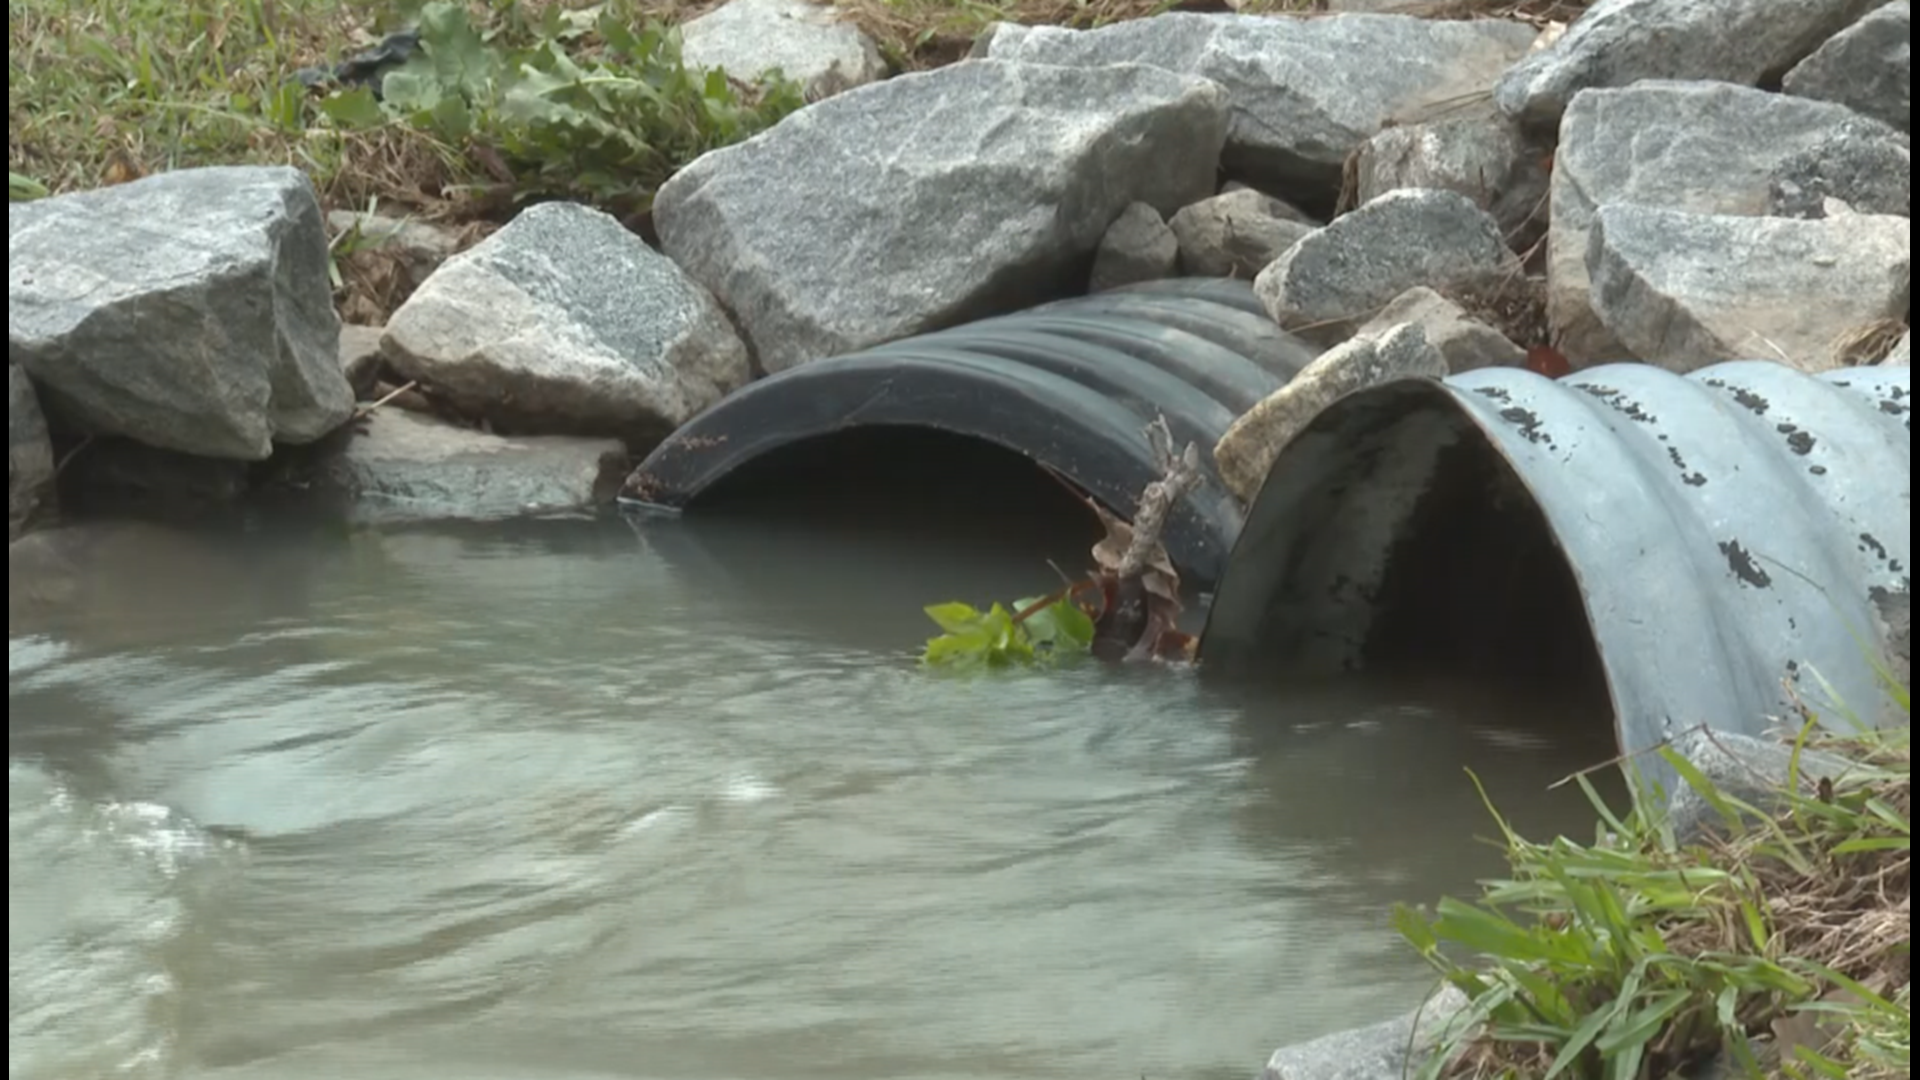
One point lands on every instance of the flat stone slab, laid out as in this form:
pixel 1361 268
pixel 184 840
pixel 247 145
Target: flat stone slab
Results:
pixel 406 467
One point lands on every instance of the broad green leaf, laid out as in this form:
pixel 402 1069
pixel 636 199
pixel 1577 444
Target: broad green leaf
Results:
pixel 955 618
pixel 411 89
pixel 354 110
pixel 1412 926
pixel 1486 932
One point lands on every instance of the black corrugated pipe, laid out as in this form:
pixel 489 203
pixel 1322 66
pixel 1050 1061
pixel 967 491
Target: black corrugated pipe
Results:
pixel 1688 546
pixel 1070 385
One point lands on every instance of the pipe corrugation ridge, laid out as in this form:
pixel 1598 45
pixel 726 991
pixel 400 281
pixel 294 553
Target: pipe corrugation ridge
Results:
pixel 1071 385
pixel 1731 533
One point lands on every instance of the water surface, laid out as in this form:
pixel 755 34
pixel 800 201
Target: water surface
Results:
pixel 585 800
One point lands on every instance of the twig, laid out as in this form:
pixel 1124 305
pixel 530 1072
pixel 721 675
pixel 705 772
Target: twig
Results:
pixel 1621 759
pixel 1182 474
pixel 364 411
pixel 67 458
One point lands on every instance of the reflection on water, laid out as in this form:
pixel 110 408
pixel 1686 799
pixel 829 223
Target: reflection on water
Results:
pixel 584 800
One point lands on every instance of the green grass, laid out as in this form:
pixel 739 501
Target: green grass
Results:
pixel 507 101
pixel 107 91
pixel 1784 942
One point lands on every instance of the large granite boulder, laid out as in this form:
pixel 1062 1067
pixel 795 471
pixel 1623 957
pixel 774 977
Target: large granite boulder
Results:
pixel 1708 148
pixel 1305 91
pixel 1868 67
pixel 189 311
pixel 1617 43
pixel 565 323
pixel 1687 290
pixel 933 198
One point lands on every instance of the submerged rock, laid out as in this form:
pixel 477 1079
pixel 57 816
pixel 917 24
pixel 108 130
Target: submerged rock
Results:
pixel 407 467
pixel 1617 43
pixel 563 322
pixel 1391 1050
pixel 1304 91
pixel 1250 447
pixel 1467 343
pixel 929 199
pixel 811 44
pixel 1236 233
pixel 1346 273
pixel 1138 247
pixel 1868 67
pixel 1708 148
pixel 1687 290
pixel 190 311
pixel 29 455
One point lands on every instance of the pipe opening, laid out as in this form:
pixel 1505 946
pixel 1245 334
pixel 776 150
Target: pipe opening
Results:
pixel 1393 540
pixel 1477 587
pixel 908 484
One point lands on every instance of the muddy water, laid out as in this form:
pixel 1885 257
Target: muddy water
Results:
pixel 584 801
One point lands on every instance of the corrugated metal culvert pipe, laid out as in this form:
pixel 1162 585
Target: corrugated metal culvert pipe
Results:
pixel 1686 545
pixel 1070 385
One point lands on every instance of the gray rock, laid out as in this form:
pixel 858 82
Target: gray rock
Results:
pixel 1686 290
pixel 1138 247
pixel 1705 147
pixel 1483 158
pixel 806 42
pixel 1871 176
pixel 419 247
pixel 1249 448
pixel 405 467
pixel 360 356
pixel 1346 273
pixel 1902 354
pixel 1391 1050
pixel 932 198
pixel 563 322
pixel 1467 343
pixel 190 310
pixel 1280 207
pixel 1305 91
pixel 29 455
pixel 1617 43
pixel 1867 67
pixel 1752 770
pixel 1236 233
